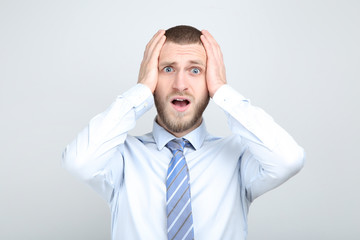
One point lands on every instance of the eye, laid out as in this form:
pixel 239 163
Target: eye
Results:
pixel 195 70
pixel 168 69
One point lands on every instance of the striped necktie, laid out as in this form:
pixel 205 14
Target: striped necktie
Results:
pixel 178 204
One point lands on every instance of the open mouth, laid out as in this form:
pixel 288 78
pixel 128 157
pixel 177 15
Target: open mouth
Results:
pixel 180 103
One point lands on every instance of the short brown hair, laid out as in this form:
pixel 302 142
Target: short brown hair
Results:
pixel 183 34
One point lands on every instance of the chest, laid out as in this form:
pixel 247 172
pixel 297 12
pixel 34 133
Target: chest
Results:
pixel 213 170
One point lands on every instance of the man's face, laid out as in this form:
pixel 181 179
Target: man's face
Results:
pixel 181 94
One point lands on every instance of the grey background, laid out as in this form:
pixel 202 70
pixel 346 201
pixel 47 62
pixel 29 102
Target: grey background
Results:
pixel 62 62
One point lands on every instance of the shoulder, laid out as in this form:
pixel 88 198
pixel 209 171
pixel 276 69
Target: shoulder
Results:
pixel 229 142
pixel 138 144
pixel 146 138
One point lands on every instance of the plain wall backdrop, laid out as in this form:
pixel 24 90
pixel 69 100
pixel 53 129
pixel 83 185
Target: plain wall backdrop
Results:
pixel 62 62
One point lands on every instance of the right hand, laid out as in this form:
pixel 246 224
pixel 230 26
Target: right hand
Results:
pixel 148 74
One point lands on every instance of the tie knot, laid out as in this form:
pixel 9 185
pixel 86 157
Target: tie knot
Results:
pixel 176 145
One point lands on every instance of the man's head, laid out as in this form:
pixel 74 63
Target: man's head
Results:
pixel 183 35
pixel 181 94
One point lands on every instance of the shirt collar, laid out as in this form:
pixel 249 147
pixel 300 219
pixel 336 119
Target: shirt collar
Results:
pixel 195 137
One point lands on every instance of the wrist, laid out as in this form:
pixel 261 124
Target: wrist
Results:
pixel 150 86
pixel 215 89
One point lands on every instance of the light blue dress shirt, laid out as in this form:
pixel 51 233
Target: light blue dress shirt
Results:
pixel 226 174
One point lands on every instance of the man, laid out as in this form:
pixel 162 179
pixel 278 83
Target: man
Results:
pixel 179 182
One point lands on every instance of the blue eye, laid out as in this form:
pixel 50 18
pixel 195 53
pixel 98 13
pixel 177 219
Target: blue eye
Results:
pixel 168 69
pixel 195 70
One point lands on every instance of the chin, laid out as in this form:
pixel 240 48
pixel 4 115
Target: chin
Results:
pixel 179 124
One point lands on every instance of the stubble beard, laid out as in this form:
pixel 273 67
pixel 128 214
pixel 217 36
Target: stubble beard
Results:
pixel 177 124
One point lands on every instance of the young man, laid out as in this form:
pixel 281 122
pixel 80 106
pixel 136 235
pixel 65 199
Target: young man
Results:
pixel 179 182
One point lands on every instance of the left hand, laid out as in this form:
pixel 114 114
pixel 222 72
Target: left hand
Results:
pixel 215 69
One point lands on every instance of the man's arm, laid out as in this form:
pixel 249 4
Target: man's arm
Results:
pixel 96 154
pixel 271 155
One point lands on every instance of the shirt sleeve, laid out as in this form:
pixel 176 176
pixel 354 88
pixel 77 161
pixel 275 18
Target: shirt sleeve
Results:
pixel 96 154
pixel 271 156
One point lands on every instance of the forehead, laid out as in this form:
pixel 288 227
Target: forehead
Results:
pixel 174 52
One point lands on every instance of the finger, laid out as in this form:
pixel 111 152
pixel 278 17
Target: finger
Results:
pixel 211 51
pixel 213 44
pixel 207 45
pixel 209 37
pixel 154 40
pixel 151 60
pixel 211 40
pixel 210 48
pixel 159 45
pixel 154 37
pixel 149 47
pixel 155 53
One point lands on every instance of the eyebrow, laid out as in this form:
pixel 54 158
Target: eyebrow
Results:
pixel 175 63
pixel 166 63
pixel 197 63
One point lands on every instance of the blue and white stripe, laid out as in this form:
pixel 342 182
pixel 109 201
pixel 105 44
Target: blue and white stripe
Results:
pixel 178 200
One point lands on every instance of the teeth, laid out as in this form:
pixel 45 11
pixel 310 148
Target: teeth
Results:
pixel 181 100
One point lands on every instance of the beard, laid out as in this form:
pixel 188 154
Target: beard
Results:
pixel 178 124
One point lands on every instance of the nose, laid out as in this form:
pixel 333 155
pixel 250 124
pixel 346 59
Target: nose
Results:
pixel 180 82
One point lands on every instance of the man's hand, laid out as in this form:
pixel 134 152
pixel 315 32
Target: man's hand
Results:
pixel 148 74
pixel 215 69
